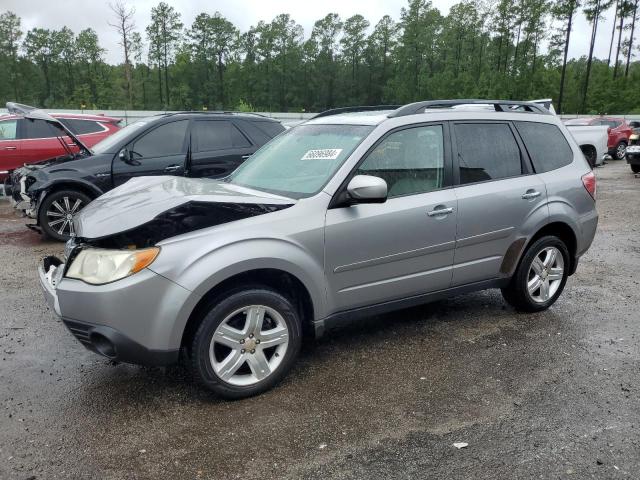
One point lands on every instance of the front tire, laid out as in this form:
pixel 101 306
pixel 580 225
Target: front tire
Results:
pixel 246 343
pixel 57 211
pixel 540 276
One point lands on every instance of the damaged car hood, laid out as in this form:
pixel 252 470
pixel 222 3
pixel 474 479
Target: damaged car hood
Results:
pixel 146 210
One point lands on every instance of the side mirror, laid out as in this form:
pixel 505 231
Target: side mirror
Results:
pixel 124 155
pixel 367 189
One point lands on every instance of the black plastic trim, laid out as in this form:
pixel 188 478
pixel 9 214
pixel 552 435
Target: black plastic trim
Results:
pixel 125 350
pixel 345 317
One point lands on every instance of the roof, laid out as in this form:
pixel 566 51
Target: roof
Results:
pixel 224 114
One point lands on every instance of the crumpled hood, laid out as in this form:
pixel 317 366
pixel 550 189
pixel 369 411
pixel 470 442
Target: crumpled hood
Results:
pixel 177 204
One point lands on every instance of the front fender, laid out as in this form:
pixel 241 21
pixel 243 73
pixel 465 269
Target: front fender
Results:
pixel 200 273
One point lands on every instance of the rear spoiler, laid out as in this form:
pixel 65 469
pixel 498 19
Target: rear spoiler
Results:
pixel 34 113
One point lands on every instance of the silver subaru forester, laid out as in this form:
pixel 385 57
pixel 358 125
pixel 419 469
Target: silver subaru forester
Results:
pixel 356 212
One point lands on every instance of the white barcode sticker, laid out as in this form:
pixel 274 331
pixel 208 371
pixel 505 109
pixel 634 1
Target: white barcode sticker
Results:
pixel 322 154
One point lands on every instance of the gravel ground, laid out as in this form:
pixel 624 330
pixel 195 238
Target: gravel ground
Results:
pixel 551 395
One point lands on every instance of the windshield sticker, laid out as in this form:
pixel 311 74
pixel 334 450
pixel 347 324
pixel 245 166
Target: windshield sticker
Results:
pixel 322 154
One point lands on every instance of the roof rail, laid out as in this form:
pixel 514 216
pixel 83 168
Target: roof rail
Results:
pixel 214 112
pixel 498 105
pixel 367 108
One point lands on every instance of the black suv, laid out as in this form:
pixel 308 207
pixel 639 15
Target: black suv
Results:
pixel 191 144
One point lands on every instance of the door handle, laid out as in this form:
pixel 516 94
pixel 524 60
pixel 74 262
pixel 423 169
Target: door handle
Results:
pixel 172 168
pixel 71 145
pixel 244 157
pixel 531 194
pixel 11 148
pixel 439 211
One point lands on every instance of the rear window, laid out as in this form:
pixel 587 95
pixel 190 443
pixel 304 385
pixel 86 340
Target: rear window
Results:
pixel 81 127
pixel 547 146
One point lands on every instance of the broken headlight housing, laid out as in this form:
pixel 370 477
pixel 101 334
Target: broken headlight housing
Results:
pixel 98 266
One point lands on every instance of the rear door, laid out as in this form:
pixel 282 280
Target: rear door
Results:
pixel 160 151
pixel 219 146
pixel 9 146
pixel 39 141
pixel 497 193
pixel 403 247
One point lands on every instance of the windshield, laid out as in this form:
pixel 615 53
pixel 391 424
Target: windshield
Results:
pixel 299 162
pixel 108 144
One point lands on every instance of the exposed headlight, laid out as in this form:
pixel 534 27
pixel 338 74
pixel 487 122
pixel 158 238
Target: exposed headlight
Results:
pixel 98 266
pixel 634 136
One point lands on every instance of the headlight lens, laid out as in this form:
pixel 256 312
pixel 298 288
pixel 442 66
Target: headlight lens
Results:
pixel 634 136
pixel 98 266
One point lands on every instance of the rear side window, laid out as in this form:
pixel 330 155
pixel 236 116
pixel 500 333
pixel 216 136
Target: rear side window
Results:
pixel 163 141
pixel 219 135
pixel 81 127
pixel 8 130
pixel 32 129
pixel 547 146
pixel 270 128
pixel 486 151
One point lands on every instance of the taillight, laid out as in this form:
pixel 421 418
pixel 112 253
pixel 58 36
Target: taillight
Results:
pixel 589 182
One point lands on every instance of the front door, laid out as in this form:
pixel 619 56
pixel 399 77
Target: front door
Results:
pixel 160 151
pixel 403 247
pixel 9 146
pixel 497 193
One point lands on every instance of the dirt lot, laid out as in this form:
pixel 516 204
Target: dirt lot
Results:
pixel 552 395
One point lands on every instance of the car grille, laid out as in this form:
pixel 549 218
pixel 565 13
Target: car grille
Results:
pixel 80 331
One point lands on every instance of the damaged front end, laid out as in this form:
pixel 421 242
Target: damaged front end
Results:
pixel 18 186
pixel 147 210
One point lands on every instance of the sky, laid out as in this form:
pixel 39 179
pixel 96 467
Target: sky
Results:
pixel 81 14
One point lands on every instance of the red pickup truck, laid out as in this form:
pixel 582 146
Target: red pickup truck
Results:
pixel 31 141
pixel 619 133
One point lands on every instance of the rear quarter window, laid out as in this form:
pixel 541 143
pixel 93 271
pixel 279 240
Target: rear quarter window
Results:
pixel 546 144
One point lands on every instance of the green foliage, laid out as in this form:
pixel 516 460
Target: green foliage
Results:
pixel 481 48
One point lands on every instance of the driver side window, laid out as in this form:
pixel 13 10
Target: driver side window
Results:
pixel 411 161
pixel 163 141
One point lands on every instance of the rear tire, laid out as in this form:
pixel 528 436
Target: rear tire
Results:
pixel 590 154
pixel 56 213
pixel 540 277
pixel 621 150
pixel 229 353
pixel 635 168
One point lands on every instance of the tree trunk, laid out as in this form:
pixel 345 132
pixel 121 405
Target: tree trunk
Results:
pixel 166 74
pixel 564 59
pixel 613 32
pixel 615 68
pixel 633 28
pixel 221 80
pixel 594 30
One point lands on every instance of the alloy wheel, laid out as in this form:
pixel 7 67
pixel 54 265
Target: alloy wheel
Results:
pixel 621 151
pixel 60 215
pixel 249 345
pixel 545 274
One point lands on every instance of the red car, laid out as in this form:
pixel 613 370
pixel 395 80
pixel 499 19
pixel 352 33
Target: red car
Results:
pixel 619 133
pixel 31 141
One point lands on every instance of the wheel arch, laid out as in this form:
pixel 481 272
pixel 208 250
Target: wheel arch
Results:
pixel 87 188
pixel 559 229
pixel 282 281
